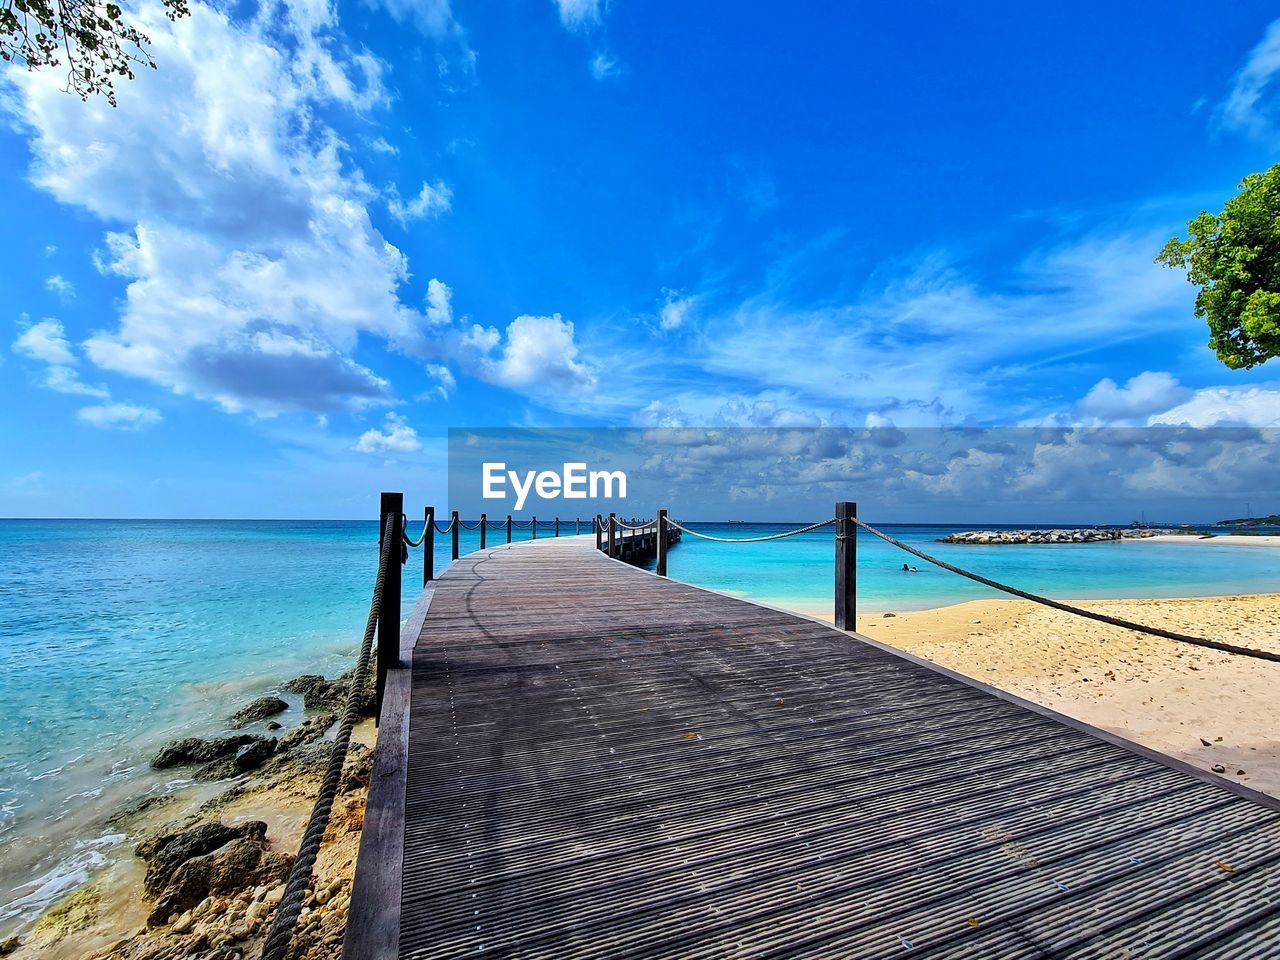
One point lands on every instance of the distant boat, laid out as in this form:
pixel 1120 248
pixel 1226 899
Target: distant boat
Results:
pixel 735 521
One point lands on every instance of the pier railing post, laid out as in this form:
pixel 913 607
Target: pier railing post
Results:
pixel 508 528
pixel 613 534
pixel 595 522
pixel 662 543
pixel 392 507
pixel 484 526
pixel 846 565
pixel 453 529
pixel 428 545
pixel 534 525
pixel 557 533
pixel 577 526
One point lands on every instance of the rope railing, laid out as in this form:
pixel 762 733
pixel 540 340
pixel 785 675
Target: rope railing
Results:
pixel 404 525
pixel 643 526
pixel 1069 608
pixel 773 536
pixel 295 888
pixel 446 528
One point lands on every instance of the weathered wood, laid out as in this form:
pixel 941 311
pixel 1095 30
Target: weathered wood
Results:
pixel 661 534
pixel 534 527
pixel 391 507
pixel 508 528
pixel 484 529
pixel 373 917
pixel 428 545
pixel 606 764
pixel 453 531
pixel 846 566
pixel 613 534
pixel 595 522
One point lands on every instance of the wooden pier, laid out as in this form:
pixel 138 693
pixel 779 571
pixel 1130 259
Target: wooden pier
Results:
pixel 580 759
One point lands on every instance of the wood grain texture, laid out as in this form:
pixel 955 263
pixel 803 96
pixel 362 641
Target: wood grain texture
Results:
pixel 603 763
pixel 373 918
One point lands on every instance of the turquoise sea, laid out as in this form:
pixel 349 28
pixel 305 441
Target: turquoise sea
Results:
pixel 118 635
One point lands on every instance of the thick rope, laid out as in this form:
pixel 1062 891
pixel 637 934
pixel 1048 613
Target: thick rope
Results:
pixel 445 529
pixel 775 536
pixel 404 525
pixel 295 888
pixel 643 526
pixel 1068 608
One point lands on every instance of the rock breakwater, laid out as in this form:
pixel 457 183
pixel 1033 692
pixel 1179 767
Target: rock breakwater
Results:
pixel 1064 535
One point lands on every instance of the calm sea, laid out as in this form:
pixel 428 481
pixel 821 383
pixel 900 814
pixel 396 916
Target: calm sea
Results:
pixel 118 635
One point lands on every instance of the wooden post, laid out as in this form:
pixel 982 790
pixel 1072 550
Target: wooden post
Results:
pixel 613 534
pixel 846 565
pixel 534 526
pixel 595 522
pixel 428 545
pixel 391 507
pixel 662 543
pixel 484 525
pixel 557 526
pixel 453 529
pixel 577 526
pixel 508 528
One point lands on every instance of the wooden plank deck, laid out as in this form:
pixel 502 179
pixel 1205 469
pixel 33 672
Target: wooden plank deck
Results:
pixel 605 764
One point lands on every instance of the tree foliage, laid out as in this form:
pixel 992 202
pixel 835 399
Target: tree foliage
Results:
pixel 90 38
pixel 1234 257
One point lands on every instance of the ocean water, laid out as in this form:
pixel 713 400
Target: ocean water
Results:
pixel 799 571
pixel 116 636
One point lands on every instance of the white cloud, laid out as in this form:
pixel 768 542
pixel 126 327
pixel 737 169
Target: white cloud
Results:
pixel 119 416
pixel 444 383
pixel 603 66
pixel 539 355
pixel 1250 105
pixel 675 311
pixel 66 380
pixel 252 265
pixel 46 341
pixel 396 436
pixel 61 286
pixel 432 201
pixel 1253 406
pixel 937 343
pixel 435 19
pixel 439 305
pixel 1146 394
pixel 579 14
pixel 381 145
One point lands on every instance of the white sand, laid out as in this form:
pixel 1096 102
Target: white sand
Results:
pixel 1262 540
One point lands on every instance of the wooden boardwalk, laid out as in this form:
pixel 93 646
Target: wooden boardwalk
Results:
pixel 601 763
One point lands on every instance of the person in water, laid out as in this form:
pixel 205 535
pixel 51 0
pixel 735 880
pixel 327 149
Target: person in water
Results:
pixel 907 569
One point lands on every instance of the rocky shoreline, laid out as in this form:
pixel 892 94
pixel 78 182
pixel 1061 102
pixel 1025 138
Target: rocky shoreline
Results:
pixel 1066 535
pixel 213 872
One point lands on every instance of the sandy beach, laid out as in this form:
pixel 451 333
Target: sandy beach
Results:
pixel 1238 540
pixel 1214 710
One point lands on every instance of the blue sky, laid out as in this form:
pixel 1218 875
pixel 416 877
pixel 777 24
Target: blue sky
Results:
pixel 317 237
